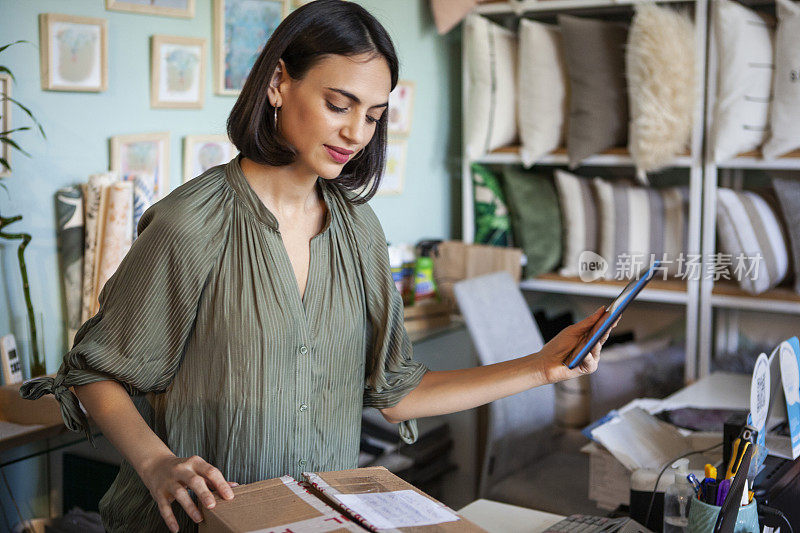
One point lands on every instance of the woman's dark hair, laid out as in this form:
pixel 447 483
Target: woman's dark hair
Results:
pixel 306 36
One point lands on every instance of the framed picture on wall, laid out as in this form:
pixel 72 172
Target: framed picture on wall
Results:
pixel 5 120
pixel 401 107
pixel 201 152
pixel 73 53
pixel 143 153
pixel 394 175
pixel 241 29
pixel 167 8
pixel 177 71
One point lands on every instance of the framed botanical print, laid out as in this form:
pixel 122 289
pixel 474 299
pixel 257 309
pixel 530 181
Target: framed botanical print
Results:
pixel 73 53
pixel 143 153
pixel 241 29
pixel 201 152
pixel 177 71
pixel 5 121
pixel 401 106
pixel 394 174
pixel 167 8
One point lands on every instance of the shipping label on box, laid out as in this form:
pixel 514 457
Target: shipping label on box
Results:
pixel 381 501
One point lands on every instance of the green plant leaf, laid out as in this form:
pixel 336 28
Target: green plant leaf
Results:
pixel 6 166
pixel 6 133
pixel 10 75
pixel 10 142
pixel 28 112
pixel 12 44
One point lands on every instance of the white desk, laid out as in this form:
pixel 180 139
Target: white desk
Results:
pixel 496 517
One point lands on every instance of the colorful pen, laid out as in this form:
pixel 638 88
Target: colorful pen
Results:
pixel 696 484
pixel 710 491
pixel 711 473
pixel 722 491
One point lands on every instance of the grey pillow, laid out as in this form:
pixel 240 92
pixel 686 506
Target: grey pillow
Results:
pixel 594 51
pixel 788 192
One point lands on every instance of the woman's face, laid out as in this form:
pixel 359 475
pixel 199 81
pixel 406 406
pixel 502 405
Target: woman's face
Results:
pixel 331 114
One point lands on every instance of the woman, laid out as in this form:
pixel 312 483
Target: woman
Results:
pixel 255 315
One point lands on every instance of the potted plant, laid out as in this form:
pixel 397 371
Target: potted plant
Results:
pixel 36 361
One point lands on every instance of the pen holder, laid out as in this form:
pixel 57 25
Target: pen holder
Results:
pixel 703 517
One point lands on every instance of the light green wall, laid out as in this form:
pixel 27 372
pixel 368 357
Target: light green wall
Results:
pixel 78 126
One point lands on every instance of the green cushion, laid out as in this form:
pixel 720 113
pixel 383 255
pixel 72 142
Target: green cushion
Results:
pixel 535 218
pixel 491 214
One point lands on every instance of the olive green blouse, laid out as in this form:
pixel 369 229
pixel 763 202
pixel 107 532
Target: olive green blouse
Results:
pixel 205 315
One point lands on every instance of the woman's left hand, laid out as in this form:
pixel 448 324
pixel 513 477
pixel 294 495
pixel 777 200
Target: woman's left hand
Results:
pixel 555 353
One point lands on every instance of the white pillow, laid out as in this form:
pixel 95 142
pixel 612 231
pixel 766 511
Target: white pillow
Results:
pixel 660 62
pixel 745 61
pixel 542 95
pixel 750 232
pixel 491 120
pixel 785 115
pixel 579 220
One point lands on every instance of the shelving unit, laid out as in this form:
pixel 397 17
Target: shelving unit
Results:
pixel 521 7
pixel 669 292
pixel 727 295
pixel 703 297
pixel 726 298
pixel 615 157
pixel 753 160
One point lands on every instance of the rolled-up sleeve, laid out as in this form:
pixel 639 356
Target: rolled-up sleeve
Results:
pixel 391 371
pixel 147 310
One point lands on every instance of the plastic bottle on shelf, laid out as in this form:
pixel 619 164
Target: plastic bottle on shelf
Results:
pixel 424 285
pixel 396 266
pixel 409 259
pixel 677 499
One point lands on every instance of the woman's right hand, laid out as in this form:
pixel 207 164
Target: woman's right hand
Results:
pixel 168 477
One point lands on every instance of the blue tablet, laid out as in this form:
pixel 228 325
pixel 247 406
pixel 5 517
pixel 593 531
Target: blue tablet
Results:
pixel 616 308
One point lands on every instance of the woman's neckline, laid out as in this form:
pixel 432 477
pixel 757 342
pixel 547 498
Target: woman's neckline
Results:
pixel 244 191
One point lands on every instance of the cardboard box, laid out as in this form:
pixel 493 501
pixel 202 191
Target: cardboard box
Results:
pixel 455 261
pixel 23 421
pixel 319 504
pixel 279 505
pixel 377 488
pixel 425 316
pixel 15 409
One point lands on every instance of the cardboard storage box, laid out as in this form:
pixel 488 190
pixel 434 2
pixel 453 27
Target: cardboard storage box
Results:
pixel 364 499
pixel 279 505
pixel 454 261
pixel 426 316
pixel 379 501
pixel 23 421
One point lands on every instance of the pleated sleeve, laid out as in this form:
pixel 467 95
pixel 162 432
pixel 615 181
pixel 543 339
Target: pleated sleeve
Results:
pixel 147 310
pixel 391 371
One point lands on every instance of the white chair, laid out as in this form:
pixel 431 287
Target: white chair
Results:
pixel 528 462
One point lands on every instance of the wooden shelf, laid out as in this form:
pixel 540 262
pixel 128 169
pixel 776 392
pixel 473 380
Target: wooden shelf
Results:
pixel 755 159
pixel 658 290
pixel 613 157
pixel 526 6
pixel 727 294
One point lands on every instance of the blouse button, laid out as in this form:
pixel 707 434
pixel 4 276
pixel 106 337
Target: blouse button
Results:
pixel 303 407
pixel 301 462
pixel 303 350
